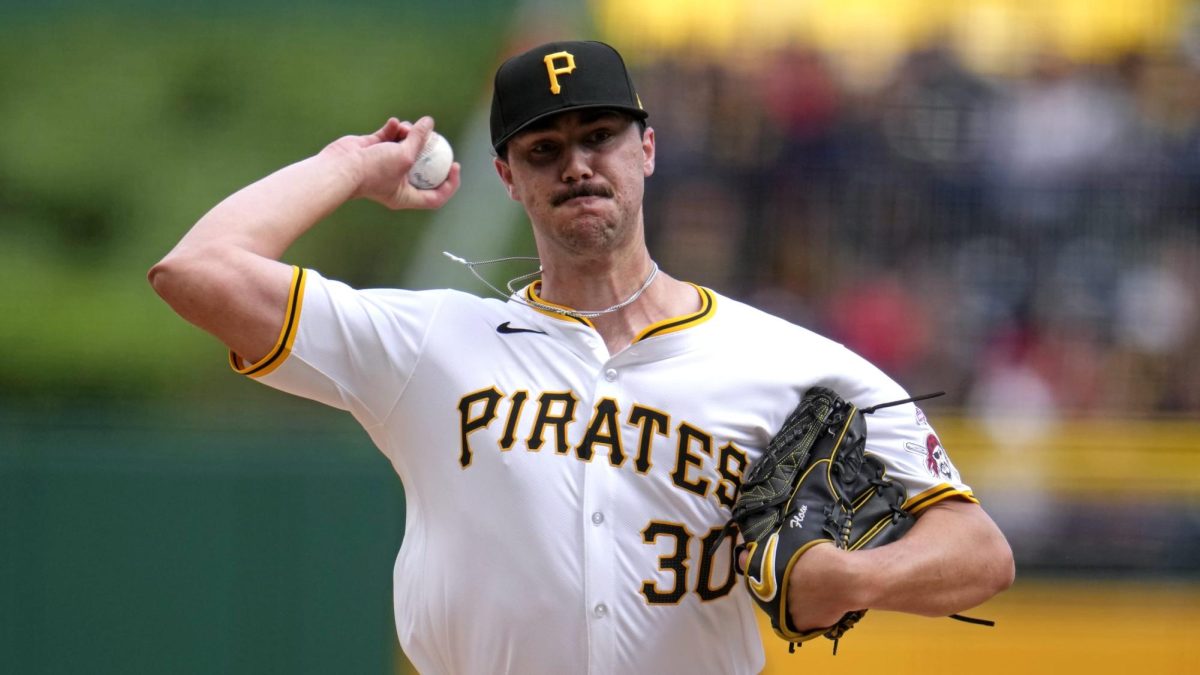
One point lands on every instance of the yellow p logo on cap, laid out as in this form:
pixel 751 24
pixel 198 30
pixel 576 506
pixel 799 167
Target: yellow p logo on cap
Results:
pixel 554 71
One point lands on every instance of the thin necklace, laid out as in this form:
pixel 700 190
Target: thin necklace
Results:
pixel 513 295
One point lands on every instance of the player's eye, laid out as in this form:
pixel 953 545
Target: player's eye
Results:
pixel 542 149
pixel 600 135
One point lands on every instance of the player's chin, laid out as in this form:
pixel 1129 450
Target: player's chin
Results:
pixel 590 233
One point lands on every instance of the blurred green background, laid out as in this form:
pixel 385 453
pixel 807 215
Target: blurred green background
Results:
pixel 122 125
pixel 158 514
pixel 992 197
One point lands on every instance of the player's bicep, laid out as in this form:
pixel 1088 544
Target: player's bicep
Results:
pixel 237 296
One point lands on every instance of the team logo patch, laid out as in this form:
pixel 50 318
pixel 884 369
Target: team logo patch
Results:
pixel 937 461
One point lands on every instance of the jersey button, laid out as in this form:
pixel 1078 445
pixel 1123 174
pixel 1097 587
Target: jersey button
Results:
pixel 597 518
pixel 600 610
pixel 610 375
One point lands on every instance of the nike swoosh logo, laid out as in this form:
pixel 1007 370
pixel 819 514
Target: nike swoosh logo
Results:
pixel 764 585
pixel 506 329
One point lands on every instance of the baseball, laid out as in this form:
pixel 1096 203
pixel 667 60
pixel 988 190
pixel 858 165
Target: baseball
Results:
pixel 433 163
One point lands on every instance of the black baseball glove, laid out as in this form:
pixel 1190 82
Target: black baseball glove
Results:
pixel 814 483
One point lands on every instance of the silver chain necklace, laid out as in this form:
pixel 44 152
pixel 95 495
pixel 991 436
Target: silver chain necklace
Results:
pixel 513 293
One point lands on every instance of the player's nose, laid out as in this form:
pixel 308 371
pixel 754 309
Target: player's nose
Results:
pixel 577 164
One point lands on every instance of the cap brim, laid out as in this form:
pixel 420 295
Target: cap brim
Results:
pixel 637 113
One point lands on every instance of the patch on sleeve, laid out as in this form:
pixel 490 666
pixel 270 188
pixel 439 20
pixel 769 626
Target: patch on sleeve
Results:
pixel 936 460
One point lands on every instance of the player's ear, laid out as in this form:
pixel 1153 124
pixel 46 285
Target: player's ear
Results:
pixel 648 151
pixel 505 172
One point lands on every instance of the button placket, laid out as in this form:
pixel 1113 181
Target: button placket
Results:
pixel 602 480
pixel 603 599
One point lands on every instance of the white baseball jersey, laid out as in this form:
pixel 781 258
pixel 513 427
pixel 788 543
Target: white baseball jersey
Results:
pixel 561 498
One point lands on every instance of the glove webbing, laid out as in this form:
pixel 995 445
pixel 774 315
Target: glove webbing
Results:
pixel 729 525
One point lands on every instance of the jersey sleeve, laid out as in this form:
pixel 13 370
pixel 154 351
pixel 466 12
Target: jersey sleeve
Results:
pixel 900 435
pixel 351 349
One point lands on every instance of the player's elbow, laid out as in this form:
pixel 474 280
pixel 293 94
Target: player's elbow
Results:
pixel 988 567
pixel 168 277
pixel 998 569
pixel 159 274
pixel 1004 566
pixel 184 276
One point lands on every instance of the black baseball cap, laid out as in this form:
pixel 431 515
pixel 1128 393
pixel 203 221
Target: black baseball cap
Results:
pixel 557 77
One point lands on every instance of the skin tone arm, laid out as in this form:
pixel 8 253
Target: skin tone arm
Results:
pixel 224 275
pixel 953 559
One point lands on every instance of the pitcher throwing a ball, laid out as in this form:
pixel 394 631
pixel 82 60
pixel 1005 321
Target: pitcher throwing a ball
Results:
pixel 571 454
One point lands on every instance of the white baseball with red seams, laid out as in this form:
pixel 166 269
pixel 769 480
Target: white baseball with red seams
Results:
pixel 433 163
pixel 560 498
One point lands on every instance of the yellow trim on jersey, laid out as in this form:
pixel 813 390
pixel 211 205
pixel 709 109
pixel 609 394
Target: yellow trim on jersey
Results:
pixel 287 333
pixel 936 494
pixel 708 307
pixel 531 294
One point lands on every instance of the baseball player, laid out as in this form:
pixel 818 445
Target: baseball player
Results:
pixel 569 452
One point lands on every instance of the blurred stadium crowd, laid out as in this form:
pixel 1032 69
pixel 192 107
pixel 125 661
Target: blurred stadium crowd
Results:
pixel 1029 243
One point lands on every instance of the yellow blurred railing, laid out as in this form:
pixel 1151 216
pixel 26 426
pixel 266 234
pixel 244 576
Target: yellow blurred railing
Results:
pixel 993 34
pixel 1116 458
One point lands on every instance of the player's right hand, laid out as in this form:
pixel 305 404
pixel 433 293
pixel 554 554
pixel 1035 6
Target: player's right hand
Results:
pixel 380 163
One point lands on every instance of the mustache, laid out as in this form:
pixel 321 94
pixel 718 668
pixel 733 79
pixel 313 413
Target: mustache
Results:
pixel 581 190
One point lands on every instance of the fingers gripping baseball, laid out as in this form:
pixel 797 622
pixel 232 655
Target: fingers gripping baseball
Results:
pixel 383 160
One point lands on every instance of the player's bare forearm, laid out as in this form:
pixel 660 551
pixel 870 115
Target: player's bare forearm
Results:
pixel 267 216
pixel 953 559
pixel 224 276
